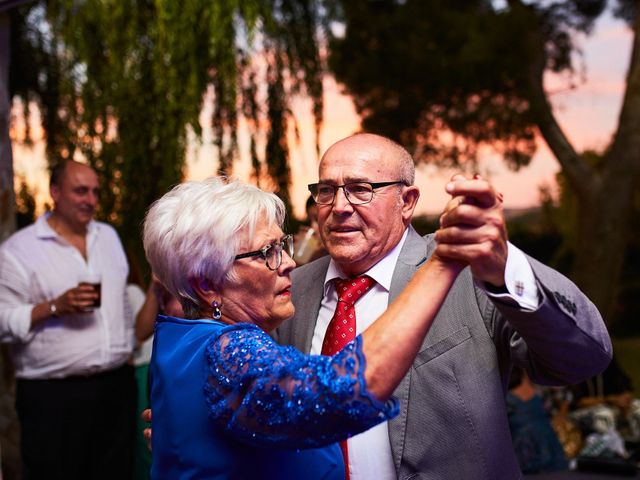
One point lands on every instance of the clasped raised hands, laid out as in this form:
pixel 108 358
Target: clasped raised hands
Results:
pixel 473 230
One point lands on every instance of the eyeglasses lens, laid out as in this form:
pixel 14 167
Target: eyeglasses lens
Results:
pixel 274 254
pixel 356 193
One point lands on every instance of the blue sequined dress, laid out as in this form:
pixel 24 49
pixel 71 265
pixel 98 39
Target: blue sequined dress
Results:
pixel 229 403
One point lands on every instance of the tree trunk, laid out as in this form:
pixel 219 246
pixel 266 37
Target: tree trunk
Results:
pixel 9 428
pixel 7 202
pixel 603 228
pixel 605 213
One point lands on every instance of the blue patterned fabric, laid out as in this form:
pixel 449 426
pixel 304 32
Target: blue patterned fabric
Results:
pixel 271 395
pixel 228 402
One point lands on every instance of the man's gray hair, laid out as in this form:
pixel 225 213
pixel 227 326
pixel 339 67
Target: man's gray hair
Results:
pixel 406 164
pixel 194 231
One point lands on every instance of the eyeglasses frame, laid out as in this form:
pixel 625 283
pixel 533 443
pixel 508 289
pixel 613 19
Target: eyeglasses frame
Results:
pixel 374 186
pixel 263 251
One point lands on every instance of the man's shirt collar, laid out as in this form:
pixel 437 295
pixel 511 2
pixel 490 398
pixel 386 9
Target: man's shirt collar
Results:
pixel 44 230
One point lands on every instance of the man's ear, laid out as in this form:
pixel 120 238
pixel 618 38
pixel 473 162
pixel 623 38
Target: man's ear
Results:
pixel 54 192
pixel 410 196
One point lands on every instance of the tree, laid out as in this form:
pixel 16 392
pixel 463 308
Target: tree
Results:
pixel 7 218
pixel 121 82
pixel 25 204
pixel 562 217
pixel 449 77
pixel 8 418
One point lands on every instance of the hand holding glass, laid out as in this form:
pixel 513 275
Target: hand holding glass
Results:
pixel 93 280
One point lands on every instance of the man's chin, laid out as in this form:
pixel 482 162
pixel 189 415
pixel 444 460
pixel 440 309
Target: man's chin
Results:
pixel 345 254
pixel 84 218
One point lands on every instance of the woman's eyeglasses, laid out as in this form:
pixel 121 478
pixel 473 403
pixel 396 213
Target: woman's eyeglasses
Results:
pixel 272 253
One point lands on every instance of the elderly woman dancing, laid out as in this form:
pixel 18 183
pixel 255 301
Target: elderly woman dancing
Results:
pixel 227 401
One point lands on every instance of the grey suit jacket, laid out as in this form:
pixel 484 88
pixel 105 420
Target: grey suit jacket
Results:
pixel 453 419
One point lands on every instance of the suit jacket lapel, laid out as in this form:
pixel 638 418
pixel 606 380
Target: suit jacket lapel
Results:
pixel 308 289
pixel 414 253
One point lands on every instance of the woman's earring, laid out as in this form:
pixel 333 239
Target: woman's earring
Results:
pixel 216 313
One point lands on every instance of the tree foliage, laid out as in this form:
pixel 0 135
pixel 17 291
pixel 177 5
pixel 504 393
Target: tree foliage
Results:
pixel 120 83
pixel 457 77
pixel 25 205
pixel 449 77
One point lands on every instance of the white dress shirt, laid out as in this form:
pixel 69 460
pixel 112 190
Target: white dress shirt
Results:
pixel 37 265
pixel 370 453
pixel 141 352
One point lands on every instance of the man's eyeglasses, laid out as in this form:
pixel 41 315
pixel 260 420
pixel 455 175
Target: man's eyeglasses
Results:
pixel 357 193
pixel 272 253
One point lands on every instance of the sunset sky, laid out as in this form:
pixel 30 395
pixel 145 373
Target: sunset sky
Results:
pixel 587 113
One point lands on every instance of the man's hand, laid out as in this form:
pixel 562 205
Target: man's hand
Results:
pixel 76 300
pixel 472 228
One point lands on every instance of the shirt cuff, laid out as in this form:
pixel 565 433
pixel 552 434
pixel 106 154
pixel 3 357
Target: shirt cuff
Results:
pixel 18 324
pixel 519 280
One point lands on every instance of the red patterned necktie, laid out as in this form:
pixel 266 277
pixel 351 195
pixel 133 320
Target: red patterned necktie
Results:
pixel 342 327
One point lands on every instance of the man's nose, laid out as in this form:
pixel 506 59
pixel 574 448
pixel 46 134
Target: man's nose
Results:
pixel 92 198
pixel 340 203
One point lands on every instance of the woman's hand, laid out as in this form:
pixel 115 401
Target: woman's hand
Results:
pixel 146 417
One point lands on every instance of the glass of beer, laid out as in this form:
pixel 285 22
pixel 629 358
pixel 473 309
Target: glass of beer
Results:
pixel 93 280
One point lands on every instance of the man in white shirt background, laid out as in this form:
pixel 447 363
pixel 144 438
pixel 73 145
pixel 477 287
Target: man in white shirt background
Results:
pixel 70 342
pixel 504 309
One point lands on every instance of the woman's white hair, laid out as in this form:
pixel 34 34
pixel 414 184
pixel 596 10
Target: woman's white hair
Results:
pixel 194 231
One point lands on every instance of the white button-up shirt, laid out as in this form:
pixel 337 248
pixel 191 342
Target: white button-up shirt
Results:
pixel 370 453
pixel 37 265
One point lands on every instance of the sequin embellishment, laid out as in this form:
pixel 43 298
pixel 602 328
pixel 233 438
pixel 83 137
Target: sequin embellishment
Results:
pixel 270 395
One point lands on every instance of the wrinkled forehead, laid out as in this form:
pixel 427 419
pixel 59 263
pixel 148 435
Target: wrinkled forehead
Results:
pixel 357 161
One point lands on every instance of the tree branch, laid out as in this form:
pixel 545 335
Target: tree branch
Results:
pixel 626 142
pixel 578 173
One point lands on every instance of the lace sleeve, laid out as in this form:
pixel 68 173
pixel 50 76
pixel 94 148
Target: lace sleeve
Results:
pixel 270 395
